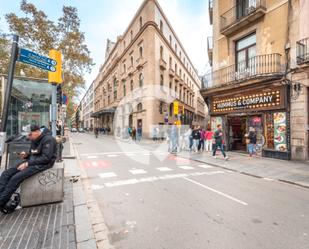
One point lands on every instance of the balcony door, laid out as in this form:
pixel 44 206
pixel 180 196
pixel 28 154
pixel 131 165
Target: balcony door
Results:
pixel 244 7
pixel 245 53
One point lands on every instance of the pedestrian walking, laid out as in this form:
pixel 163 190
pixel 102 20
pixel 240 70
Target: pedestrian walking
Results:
pixel 139 133
pixel 174 139
pixel 209 139
pixel 187 139
pixel 202 140
pixel 96 132
pixel 196 135
pixel 134 134
pixel 218 135
pixel 251 139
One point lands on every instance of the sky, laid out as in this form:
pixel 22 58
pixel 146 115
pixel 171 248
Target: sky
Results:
pixel 103 19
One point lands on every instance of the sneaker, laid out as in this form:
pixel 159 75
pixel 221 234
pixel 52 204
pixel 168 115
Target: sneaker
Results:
pixel 226 158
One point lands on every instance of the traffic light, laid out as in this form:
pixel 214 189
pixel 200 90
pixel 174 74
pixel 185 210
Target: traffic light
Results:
pixel 55 77
pixel 59 94
pixel 176 107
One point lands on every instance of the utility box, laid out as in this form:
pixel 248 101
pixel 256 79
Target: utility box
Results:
pixel 44 187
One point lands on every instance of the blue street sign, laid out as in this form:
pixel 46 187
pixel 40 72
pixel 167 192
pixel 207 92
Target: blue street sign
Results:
pixel 64 99
pixel 37 60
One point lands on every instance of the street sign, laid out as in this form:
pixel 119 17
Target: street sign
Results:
pixel 64 99
pixel 37 60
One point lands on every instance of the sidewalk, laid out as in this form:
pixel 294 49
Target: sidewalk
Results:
pixel 292 172
pixel 65 225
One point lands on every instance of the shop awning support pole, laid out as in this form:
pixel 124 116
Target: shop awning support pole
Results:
pixel 9 84
pixel 54 109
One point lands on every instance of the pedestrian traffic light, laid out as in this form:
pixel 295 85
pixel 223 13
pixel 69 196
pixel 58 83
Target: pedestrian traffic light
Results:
pixel 176 107
pixel 55 77
pixel 59 94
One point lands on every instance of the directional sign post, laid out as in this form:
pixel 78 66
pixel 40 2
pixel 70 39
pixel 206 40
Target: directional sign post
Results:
pixel 37 60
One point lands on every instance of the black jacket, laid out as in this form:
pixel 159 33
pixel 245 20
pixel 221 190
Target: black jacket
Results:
pixel 218 136
pixel 196 134
pixel 43 151
pixel 252 137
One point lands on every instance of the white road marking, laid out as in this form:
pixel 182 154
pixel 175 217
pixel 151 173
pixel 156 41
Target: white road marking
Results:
pixel 185 167
pixel 112 155
pixel 205 166
pixel 112 152
pixel 137 171
pixel 217 192
pixel 128 154
pixel 107 175
pixel 94 164
pixel 164 169
pixel 157 178
pixel 96 187
pixel 92 157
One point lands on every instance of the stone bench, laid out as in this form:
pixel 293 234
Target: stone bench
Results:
pixel 45 187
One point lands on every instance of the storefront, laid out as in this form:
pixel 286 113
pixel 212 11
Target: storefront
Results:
pixel 264 108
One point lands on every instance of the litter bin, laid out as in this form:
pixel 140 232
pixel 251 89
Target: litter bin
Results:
pixel 16 146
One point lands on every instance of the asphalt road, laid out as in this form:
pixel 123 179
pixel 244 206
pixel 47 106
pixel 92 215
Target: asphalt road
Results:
pixel 153 200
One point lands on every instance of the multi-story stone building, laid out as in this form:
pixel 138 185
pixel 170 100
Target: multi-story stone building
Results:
pixel 299 76
pixel 248 86
pixel 87 105
pixel 146 55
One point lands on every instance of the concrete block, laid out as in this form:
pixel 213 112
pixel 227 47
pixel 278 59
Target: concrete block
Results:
pixel 44 187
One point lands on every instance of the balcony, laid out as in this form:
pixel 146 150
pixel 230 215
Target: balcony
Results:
pixel 302 51
pixel 140 62
pixel 171 72
pixel 210 11
pixel 259 67
pixel 209 49
pixel 162 64
pixel 241 15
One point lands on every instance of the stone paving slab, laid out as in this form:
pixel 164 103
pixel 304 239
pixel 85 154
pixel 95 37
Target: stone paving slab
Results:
pixel 41 227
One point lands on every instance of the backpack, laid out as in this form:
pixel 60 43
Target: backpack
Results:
pixel 11 205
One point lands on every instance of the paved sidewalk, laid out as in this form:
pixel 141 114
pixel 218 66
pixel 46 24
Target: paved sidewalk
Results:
pixel 47 226
pixel 272 169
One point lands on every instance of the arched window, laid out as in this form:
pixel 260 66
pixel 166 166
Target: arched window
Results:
pixel 141 52
pixel 141 80
pixel 161 52
pixel 140 23
pixel 139 107
pixel 161 26
pixel 132 61
pixel 131 85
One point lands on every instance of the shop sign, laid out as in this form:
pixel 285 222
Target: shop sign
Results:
pixel 280 131
pixel 271 99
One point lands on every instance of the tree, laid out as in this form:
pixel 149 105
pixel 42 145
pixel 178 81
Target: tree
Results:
pixel 40 34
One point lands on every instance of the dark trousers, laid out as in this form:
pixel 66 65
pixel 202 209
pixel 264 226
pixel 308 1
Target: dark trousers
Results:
pixel 11 179
pixel 215 147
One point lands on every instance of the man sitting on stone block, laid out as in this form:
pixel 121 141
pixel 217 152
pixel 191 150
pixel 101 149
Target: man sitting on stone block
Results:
pixel 42 156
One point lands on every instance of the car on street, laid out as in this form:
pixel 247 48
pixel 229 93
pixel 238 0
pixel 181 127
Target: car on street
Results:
pixel 73 130
pixel 81 130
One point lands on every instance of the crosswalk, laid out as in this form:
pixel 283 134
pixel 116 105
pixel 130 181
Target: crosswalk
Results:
pixel 135 172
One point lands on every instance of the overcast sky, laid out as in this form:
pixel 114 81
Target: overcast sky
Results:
pixel 102 19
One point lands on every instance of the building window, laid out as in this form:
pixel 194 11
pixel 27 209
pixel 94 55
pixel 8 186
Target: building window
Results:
pixel 131 35
pixel 245 51
pixel 139 107
pixel 131 61
pixel 140 23
pixel 175 68
pixel 141 80
pixel 170 40
pixel 124 44
pixel 140 52
pixel 175 48
pixel 161 52
pixel 131 85
pixel 171 62
pixel 171 109
pixel 124 89
pixel 161 26
pixel 161 108
pixel 161 81
pixel 124 68
pixel 180 55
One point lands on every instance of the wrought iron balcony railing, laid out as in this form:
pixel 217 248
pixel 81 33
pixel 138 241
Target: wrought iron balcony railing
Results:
pixel 268 65
pixel 241 14
pixel 302 51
